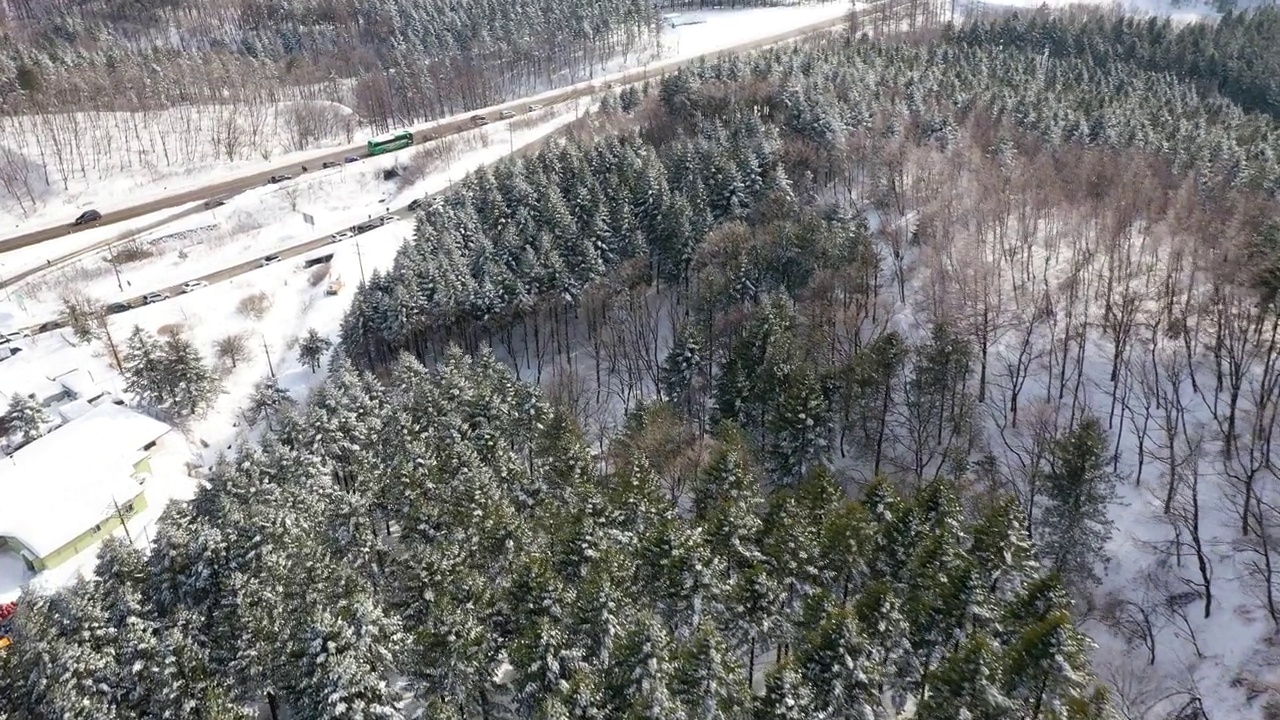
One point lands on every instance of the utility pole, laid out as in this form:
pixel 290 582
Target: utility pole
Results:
pixel 267 351
pixel 123 523
pixel 112 253
pixel 360 260
pixel 111 343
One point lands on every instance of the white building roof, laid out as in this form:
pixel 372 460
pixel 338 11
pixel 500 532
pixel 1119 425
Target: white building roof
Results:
pixel 80 383
pixel 74 409
pixel 64 483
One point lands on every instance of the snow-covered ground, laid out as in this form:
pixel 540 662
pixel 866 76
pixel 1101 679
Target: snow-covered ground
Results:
pixel 261 137
pixel 1177 10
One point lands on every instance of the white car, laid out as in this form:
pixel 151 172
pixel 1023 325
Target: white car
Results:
pixel 340 236
pixel 535 107
pixel 193 285
pixel 507 114
pixel 14 336
pixel 270 260
pixel 385 219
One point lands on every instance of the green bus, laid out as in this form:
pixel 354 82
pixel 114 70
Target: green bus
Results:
pixel 390 142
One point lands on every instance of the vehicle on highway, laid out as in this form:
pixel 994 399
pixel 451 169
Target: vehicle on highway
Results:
pixel 415 204
pixel 193 285
pixel 214 203
pixel 350 159
pixel 88 216
pixel 152 298
pixel 507 114
pixel 270 260
pixel 479 120
pixel 279 178
pixel 330 164
pixel 390 142
pixel 534 107
pixel 340 236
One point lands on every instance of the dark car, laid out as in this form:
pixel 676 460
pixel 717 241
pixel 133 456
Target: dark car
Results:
pixel 118 307
pixel 50 325
pixel 88 216
pixel 279 178
pixel 214 203
pixel 365 227
pixel 351 159
pixel 330 164
pixel 413 206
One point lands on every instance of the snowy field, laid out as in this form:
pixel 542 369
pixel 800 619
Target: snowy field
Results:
pixel 221 143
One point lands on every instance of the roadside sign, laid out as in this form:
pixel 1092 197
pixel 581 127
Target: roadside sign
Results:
pixel 309 219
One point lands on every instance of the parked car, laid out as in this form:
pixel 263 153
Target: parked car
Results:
pixel 214 203
pixel 14 336
pixel 479 120
pixel 335 286
pixel 534 107
pixel 614 86
pixel 330 164
pixel 270 260
pixel 87 217
pixel 415 204
pixel 274 179
pixel 154 297
pixel 351 158
pixel 507 114
pixel 48 326
pixel 340 236
pixel 118 307
pixel 387 219
pixel 368 225
pixel 193 285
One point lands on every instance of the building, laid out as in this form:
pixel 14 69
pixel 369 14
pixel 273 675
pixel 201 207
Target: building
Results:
pixel 69 489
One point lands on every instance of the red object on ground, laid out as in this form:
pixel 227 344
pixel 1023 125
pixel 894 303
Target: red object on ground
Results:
pixel 7 610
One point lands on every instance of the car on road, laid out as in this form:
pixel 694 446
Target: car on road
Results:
pixel 479 120
pixel 534 107
pixel 274 179
pixel 415 204
pixel 214 203
pixel 350 159
pixel 340 236
pixel 387 219
pixel 270 260
pixel 614 86
pixel 507 114
pixel 14 336
pixel 152 298
pixel 330 164
pixel 193 285
pixel 87 217
pixel 368 225
pixel 50 325
pixel 118 307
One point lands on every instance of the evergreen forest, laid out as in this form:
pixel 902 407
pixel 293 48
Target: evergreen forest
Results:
pixel 802 384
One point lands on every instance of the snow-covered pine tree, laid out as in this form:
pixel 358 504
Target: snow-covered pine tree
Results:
pixel 1074 525
pixel 25 417
pixel 312 348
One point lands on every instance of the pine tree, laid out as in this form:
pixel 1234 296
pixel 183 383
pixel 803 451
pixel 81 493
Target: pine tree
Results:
pixel 969 685
pixel 25 417
pixel 786 696
pixel 641 674
pixel 1075 527
pixel 348 653
pixel 190 384
pixel 840 670
pixel 1046 668
pixel 709 680
pixel 267 400
pixel 312 348
pixel 144 368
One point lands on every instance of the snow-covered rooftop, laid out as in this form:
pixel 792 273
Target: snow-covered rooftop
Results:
pixel 81 384
pixel 65 482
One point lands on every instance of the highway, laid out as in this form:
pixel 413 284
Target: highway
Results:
pixel 422 134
